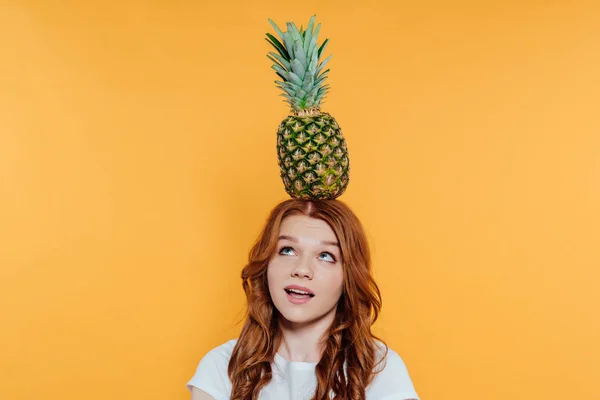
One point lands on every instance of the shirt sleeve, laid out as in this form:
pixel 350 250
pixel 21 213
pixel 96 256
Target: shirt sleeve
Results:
pixel 211 375
pixel 393 382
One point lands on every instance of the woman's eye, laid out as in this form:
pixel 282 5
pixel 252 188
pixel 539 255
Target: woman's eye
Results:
pixel 330 258
pixel 286 251
pixel 289 251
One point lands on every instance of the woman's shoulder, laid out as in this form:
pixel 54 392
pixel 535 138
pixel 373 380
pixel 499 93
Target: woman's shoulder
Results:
pixel 220 355
pixel 223 350
pixel 391 375
pixel 211 373
pixel 387 359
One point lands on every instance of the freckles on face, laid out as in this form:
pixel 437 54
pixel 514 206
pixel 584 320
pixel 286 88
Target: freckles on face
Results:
pixel 308 255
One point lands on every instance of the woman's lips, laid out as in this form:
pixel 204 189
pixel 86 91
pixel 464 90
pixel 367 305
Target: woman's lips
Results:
pixel 301 299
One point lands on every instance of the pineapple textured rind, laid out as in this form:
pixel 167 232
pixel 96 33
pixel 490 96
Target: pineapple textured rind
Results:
pixel 313 157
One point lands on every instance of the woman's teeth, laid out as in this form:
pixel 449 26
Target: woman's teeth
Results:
pixel 298 294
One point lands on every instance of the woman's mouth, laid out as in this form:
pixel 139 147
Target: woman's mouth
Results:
pixel 297 296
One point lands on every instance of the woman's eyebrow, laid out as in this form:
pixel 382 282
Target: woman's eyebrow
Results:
pixel 293 239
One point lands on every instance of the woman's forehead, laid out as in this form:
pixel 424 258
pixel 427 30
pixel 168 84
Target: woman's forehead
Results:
pixel 301 227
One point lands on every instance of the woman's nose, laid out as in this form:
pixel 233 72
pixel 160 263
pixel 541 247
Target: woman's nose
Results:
pixel 303 268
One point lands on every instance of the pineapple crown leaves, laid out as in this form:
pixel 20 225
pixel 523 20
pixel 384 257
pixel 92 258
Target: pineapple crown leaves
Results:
pixel 296 62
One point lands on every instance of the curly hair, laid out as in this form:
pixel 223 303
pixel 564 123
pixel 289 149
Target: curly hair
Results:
pixel 346 366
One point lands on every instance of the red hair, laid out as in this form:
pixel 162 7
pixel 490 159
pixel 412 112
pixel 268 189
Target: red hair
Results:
pixel 349 340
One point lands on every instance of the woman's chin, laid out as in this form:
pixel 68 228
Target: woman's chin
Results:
pixel 298 316
pixel 296 321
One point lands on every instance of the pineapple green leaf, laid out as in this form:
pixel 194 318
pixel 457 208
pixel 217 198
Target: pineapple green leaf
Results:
pixel 281 60
pixel 297 67
pixel 310 98
pixel 293 30
pixel 323 73
pixel 312 67
pixel 308 82
pixel 313 92
pixel 299 53
pixel 280 48
pixel 323 64
pixel 320 98
pixel 313 56
pixel 309 32
pixel 289 99
pixel 285 85
pixel 279 33
pixel 279 70
pixel 311 24
pixel 294 78
pixel 323 46
pixel 275 62
pixel 323 90
pixel 317 29
pixel 321 78
pixel 292 86
pixel 287 90
pixel 322 93
pixel 289 44
pixel 310 49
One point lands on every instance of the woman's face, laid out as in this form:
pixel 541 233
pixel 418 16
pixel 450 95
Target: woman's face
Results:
pixel 307 255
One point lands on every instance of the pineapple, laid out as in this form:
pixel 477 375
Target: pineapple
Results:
pixel 311 151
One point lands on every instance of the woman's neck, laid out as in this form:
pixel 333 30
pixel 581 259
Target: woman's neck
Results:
pixel 303 341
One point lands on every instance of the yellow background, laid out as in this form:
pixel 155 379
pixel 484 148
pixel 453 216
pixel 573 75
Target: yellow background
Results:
pixel 137 165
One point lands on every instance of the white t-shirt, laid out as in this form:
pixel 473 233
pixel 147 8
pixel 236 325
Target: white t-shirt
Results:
pixel 295 380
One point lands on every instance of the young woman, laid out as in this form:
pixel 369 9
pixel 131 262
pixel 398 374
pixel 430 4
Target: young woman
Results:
pixel 311 301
